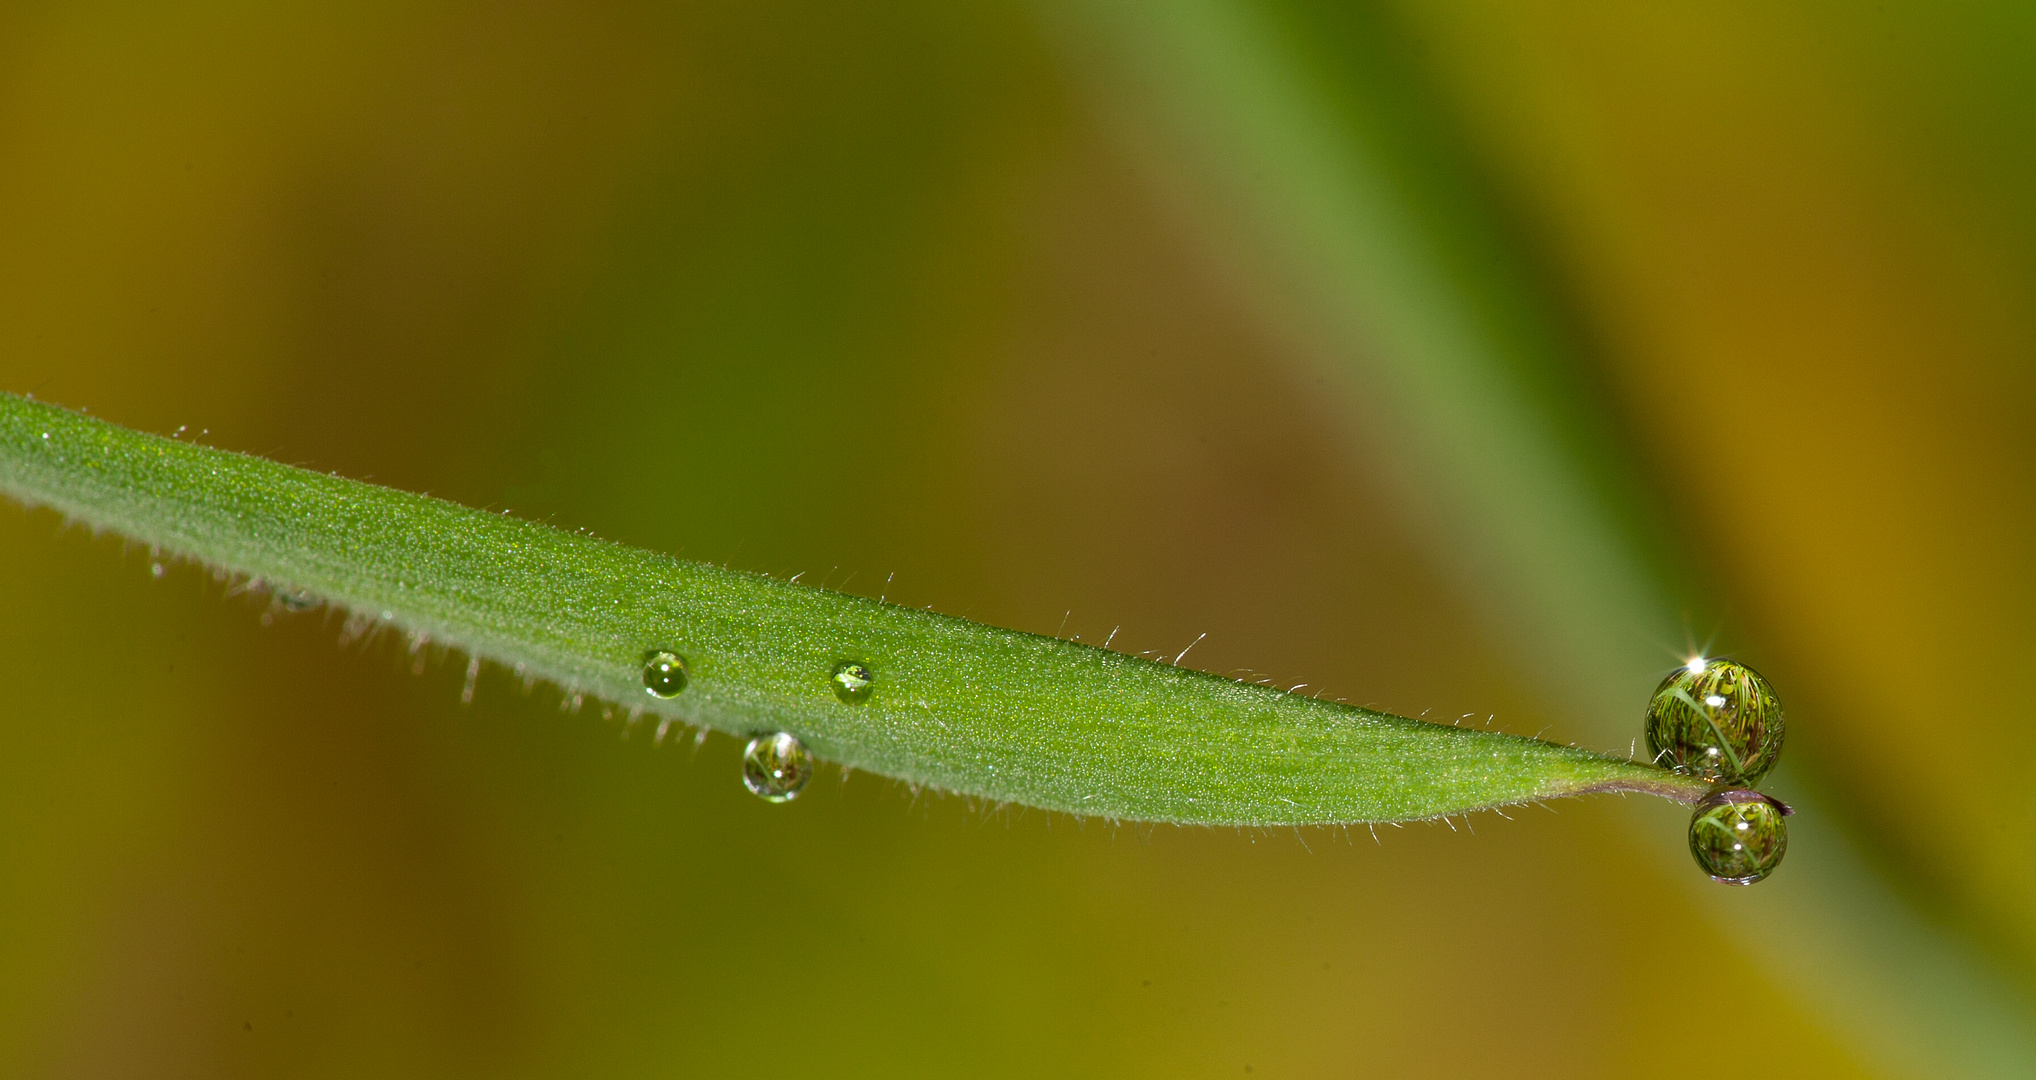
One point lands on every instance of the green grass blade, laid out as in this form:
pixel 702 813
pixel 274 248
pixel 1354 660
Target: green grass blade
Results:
pixel 957 705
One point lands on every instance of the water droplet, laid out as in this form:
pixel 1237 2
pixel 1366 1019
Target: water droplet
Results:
pixel 776 766
pixel 1719 721
pixel 664 673
pixel 853 682
pixel 1739 836
pixel 156 570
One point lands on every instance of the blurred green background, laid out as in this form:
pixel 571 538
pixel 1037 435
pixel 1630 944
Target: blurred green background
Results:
pixel 983 307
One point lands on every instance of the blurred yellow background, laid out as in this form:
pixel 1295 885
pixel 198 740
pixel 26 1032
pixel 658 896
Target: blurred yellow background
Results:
pixel 897 296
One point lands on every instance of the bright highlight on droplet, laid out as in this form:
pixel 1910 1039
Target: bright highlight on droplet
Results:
pixel 1696 665
pixel 776 766
pixel 853 682
pixel 664 673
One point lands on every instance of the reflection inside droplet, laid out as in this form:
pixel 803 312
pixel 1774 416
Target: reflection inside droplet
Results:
pixel 1738 837
pixel 853 682
pixel 1720 722
pixel 776 766
pixel 664 673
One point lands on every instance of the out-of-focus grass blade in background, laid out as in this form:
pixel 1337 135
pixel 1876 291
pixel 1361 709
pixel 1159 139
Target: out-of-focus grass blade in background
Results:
pixel 973 296
pixel 1299 138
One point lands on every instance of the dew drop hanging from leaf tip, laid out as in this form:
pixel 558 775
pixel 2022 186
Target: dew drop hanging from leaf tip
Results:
pixel 1717 720
pixel 1738 836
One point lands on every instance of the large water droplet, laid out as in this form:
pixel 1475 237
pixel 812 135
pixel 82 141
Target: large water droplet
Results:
pixel 1738 836
pixel 776 766
pixel 853 682
pixel 664 673
pixel 1715 719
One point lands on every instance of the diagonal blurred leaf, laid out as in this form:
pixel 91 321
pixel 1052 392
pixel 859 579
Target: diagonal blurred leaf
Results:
pixel 1293 140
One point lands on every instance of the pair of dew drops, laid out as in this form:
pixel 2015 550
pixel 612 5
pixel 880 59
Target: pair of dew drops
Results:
pixel 775 766
pixel 1718 720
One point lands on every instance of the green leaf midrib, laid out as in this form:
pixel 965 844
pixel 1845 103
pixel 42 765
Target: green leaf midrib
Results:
pixel 961 706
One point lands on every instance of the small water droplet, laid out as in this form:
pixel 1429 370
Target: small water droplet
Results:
pixel 1717 720
pixel 776 766
pixel 156 570
pixel 853 682
pixel 664 673
pixel 1738 836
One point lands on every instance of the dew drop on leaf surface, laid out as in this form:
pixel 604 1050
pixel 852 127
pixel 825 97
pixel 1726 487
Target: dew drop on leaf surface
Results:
pixel 664 673
pixel 776 766
pixel 853 682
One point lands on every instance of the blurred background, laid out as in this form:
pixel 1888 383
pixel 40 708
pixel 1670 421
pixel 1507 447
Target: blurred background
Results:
pixel 1473 359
